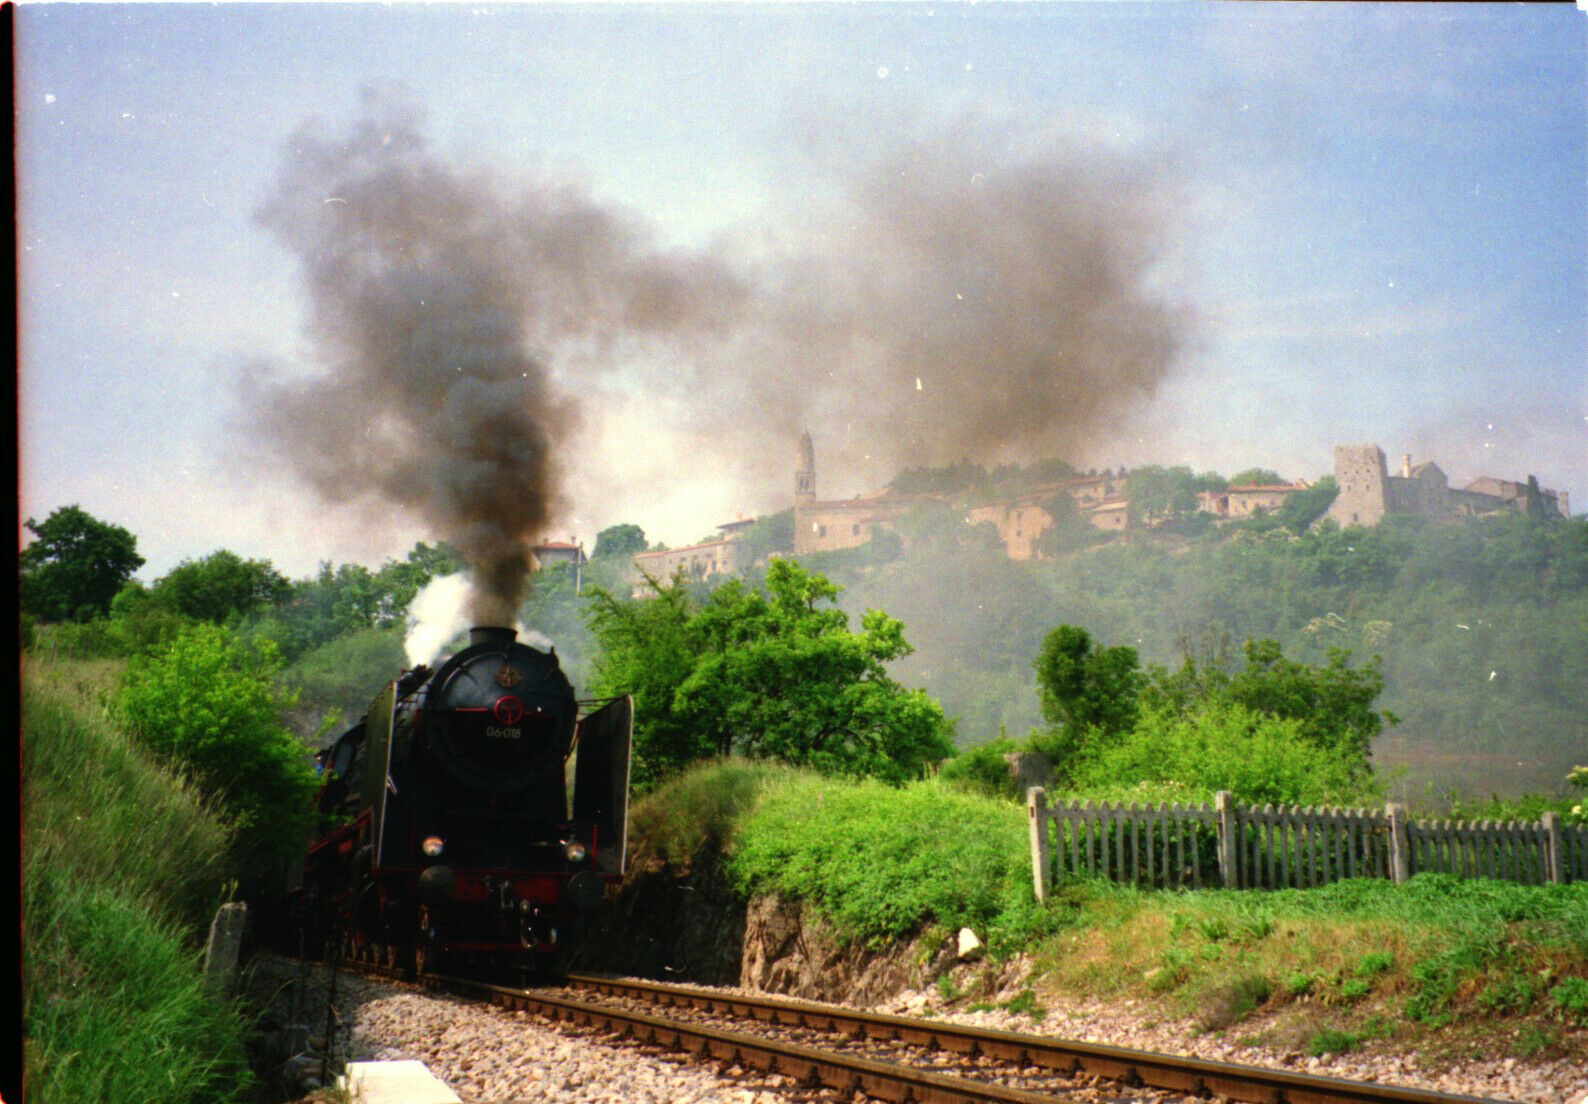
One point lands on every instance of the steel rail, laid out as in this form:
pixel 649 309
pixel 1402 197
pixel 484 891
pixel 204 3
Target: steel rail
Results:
pixel 806 1065
pixel 1133 1068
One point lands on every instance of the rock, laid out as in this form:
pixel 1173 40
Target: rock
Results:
pixel 969 945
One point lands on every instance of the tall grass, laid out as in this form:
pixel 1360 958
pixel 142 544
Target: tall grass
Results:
pixel 123 864
pixel 1431 949
pixel 698 809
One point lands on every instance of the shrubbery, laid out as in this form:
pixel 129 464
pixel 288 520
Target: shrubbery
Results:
pixel 883 862
pixel 1274 731
pixel 1258 757
pixel 209 706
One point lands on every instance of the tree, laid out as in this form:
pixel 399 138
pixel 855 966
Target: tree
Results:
pixel 1089 694
pixel 1158 495
pixel 1084 686
pixel 209 705
pixel 1333 703
pixel 1300 510
pixel 769 534
pixel 774 675
pixel 619 541
pixel 399 580
pixel 1263 477
pixel 1069 526
pixel 220 587
pixel 644 649
pixel 74 566
pixel 142 625
pixel 335 683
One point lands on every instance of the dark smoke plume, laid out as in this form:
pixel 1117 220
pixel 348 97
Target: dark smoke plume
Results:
pixel 968 289
pixel 971 290
pixel 435 304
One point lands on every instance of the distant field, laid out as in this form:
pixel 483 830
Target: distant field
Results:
pixel 1419 771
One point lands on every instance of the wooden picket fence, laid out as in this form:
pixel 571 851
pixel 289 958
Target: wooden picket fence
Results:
pixel 1252 847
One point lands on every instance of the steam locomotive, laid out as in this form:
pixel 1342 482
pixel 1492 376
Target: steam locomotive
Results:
pixel 473 815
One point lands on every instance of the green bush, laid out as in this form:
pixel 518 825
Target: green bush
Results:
pixel 883 862
pixel 1260 759
pixel 1571 997
pixel 208 705
pixel 982 769
pixel 1332 1041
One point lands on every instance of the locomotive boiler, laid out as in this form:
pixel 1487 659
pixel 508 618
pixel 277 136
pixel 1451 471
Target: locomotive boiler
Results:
pixel 474 814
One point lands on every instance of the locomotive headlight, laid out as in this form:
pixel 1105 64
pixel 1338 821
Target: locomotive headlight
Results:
pixel 575 851
pixel 432 847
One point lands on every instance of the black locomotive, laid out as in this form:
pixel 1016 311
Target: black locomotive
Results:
pixel 473 814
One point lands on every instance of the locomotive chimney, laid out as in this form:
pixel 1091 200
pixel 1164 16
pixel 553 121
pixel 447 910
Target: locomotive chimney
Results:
pixel 491 634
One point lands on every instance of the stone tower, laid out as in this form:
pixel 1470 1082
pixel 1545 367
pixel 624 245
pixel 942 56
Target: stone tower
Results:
pixel 805 471
pixel 1364 485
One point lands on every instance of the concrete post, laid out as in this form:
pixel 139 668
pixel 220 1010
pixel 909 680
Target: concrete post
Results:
pixel 1400 855
pixel 1224 806
pixel 1037 812
pixel 220 953
pixel 1554 867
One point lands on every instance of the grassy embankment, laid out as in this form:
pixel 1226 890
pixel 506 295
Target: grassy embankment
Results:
pixel 123 866
pixel 1438 965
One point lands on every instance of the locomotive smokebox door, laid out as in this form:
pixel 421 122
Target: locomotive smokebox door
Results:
pixel 601 780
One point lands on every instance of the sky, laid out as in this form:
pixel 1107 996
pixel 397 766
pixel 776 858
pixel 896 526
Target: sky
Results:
pixel 1221 236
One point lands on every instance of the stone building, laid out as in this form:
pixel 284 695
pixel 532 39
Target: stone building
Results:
pixel 1243 500
pixel 1019 523
pixel 1368 492
pixel 1023 519
pixel 826 525
pixel 556 552
pixel 823 525
pixel 698 561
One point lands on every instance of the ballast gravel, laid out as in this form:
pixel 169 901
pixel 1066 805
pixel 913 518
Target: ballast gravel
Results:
pixel 484 1053
pixel 487 1054
pixel 1127 1025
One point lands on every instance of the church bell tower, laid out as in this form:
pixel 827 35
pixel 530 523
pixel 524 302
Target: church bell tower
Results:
pixel 805 471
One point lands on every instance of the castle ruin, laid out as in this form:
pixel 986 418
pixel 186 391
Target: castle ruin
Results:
pixel 1368 492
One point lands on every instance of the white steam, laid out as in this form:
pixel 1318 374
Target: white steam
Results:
pixel 439 615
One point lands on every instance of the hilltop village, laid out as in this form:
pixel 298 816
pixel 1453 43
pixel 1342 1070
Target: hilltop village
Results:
pixel 1367 493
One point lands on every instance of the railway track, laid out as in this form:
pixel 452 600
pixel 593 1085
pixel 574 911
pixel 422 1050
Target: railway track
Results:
pixel 1012 1054
pixel 897 1058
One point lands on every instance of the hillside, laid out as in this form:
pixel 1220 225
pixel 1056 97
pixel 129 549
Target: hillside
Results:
pixel 1480 625
pixel 1481 628
pixel 113 1006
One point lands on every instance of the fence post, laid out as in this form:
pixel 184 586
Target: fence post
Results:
pixel 1224 806
pixel 1554 868
pixel 1400 850
pixel 220 953
pixel 1037 811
